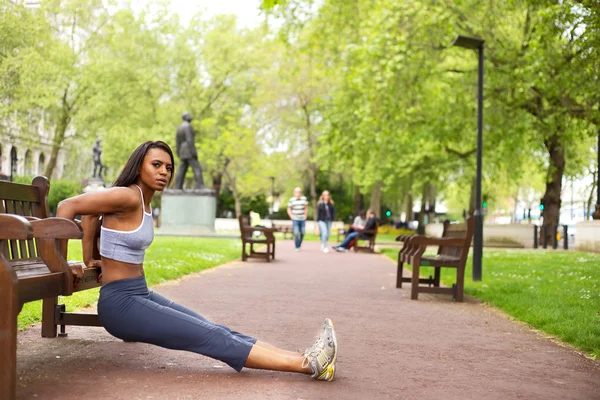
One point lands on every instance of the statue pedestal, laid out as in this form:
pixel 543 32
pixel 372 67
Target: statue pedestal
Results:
pixel 95 184
pixel 188 212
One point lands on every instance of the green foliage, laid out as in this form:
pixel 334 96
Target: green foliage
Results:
pixel 61 189
pixel 25 179
pixel 555 292
pixel 358 93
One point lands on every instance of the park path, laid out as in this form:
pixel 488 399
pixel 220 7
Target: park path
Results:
pixel 389 346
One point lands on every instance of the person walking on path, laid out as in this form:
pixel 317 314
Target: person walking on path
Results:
pixel 325 216
pixel 298 212
pixel 370 224
pixel 128 310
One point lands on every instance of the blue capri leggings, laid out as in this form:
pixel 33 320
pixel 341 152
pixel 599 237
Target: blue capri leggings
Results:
pixel 131 312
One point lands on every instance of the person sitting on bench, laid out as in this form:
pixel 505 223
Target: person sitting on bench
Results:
pixel 351 238
pixel 130 311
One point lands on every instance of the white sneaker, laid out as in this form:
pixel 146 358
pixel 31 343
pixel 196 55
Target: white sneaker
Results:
pixel 325 250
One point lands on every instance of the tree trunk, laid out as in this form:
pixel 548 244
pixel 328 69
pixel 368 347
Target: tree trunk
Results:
pixel 313 188
pixel 473 199
pixel 410 216
pixel 431 195
pixel 238 201
pixel 312 167
pixel 551 199
pixel 421 220
pixel 359 203
pixel 376 199
pixel 588 214
pixel 217 179
pixel 59 138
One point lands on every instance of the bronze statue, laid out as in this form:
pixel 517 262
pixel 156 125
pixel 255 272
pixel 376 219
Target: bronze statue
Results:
pixel 98 166
pixel 187 153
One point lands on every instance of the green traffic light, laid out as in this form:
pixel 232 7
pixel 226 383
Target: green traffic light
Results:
pixel 541 207
pixel 485 204
pixel 388 213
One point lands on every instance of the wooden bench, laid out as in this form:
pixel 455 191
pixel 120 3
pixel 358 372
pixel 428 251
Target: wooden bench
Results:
pixel 370 247
pixel 285 229
pixel 453 249
pixel 33 268
pixel 246 232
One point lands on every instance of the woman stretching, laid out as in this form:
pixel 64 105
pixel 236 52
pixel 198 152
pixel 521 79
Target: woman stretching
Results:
pixel 131 312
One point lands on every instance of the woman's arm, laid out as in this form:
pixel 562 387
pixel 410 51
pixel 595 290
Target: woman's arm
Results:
pixel 111 201
pixel 90 226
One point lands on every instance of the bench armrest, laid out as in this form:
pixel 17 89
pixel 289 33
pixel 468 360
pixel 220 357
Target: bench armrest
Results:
pixel 15 227
pixel 429 241
pixel 55 228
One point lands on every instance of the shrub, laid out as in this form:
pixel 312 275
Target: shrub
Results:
pixel 61 189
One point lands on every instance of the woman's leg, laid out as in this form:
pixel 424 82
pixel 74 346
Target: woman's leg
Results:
pixel 264 358
pixel 163 301
pixel 323 233
pixel 328 224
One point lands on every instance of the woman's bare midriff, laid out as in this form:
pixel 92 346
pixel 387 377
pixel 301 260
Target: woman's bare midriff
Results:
pixel 116 270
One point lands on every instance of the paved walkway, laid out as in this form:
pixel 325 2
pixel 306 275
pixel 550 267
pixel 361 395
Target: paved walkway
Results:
pixel 390 346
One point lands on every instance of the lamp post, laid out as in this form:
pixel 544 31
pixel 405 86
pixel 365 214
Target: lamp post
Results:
pixel 474 43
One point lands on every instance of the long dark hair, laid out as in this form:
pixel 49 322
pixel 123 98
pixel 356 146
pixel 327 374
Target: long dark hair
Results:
pixel 131 170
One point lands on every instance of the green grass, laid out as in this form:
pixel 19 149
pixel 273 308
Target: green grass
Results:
pixel 168 258
pixel 554 291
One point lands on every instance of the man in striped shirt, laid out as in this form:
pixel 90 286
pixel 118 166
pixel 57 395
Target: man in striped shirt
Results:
pixel 298 211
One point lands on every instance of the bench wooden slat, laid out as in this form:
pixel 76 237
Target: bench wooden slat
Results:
pixel 20 192
pixel 29 267
pixel 37 287
pixel 13 247
pixel 28 211
pixel 22 243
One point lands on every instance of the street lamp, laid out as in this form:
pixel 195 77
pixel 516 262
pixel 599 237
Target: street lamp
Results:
pixel 468 42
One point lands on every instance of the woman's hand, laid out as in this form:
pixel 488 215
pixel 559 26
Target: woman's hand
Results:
pixel 76 271
pixel 94 264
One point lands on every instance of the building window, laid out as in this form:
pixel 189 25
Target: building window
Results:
pixel 13 162
pixel 28 170
pixel 41 164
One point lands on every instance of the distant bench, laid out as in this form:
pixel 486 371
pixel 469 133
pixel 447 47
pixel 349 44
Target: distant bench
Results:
pixel 453 249
pixel 32 268
pixel 285 229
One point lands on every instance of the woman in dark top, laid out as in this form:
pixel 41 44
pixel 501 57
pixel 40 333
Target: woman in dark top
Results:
pixel 325 216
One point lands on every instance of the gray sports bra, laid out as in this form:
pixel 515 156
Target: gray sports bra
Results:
pixel 128 246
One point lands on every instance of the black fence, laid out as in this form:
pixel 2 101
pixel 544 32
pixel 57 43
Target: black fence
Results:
pixel 564 237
